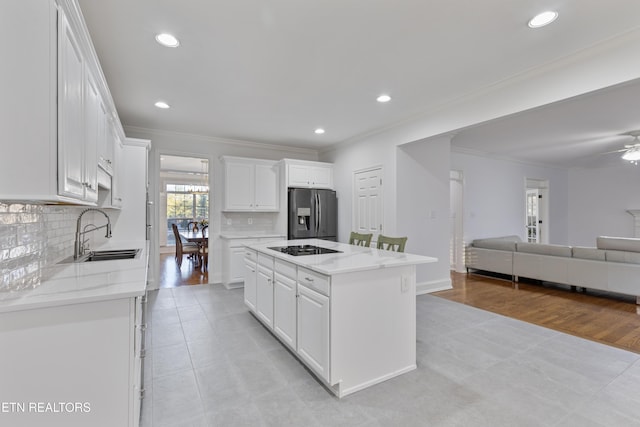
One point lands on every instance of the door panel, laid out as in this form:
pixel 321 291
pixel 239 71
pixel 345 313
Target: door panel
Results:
pixel 368 209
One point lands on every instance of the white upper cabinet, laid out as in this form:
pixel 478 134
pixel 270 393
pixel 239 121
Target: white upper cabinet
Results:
pixel 72 84
pixel 54 97
pixel 301 173
pixel 250 185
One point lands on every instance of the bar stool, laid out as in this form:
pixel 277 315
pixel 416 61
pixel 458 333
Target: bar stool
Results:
pixel 391 243
pixel 359 239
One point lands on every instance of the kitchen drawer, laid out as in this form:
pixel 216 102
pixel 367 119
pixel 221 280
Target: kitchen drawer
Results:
pixel 286 269
pixel 265 260
pixel 250 254
pixel 316 281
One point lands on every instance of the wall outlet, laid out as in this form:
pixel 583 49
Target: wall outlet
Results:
pixel 250 221
pixel 229 222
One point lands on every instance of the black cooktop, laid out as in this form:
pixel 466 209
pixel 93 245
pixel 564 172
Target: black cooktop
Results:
pixel 300 250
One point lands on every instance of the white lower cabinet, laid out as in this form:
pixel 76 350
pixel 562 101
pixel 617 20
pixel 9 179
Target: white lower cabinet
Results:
pixel 294 303
pixel 313 330
pixel 233 258
pixel 82 361
pixel 250 272
pixel 264 290
pixel 284 303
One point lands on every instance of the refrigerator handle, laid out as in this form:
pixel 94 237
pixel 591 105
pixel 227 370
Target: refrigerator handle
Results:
pixel 319 214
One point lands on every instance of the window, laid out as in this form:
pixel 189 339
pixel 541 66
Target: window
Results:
pixel 185 203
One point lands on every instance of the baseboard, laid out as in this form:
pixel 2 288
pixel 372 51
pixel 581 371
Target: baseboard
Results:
pixel 433 286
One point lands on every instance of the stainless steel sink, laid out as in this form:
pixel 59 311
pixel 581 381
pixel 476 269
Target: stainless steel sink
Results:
pixel 110 255
pixel 113 254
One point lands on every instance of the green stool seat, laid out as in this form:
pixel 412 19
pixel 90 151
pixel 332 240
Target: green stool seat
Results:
pixel 391 243
pixel 360 239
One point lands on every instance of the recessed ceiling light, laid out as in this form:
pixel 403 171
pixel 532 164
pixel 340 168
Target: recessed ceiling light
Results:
pixel 167 40
pixel 383 98
pixel 319 131
pixel 542 19
pixel 162 104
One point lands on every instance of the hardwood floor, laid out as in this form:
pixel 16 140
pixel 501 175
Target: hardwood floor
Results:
pixel 611 319
pixel 171 276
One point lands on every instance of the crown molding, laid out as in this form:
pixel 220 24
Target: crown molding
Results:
pixel 218 140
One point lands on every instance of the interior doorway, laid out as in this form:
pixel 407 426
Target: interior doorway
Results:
pixel 367 202
pixel 184 197
pixel 536 210
pixel 456 235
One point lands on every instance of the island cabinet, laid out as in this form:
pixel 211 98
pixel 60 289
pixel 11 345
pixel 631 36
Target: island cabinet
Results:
pixel 285 303
pixel 349 316
pixel 313 321
pixel 264 289
pixel 251 185
pixel 250 277
pixel 308 174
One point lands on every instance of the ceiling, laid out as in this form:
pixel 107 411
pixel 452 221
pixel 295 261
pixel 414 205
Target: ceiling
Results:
pixel 272 71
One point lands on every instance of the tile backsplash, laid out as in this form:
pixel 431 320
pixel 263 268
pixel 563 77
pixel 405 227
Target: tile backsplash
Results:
pixel 32 237
pixel 248 222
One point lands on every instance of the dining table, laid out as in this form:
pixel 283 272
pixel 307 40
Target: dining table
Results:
pixel 196 237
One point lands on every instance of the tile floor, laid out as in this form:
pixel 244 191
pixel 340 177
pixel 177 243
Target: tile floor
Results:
pixel 211 363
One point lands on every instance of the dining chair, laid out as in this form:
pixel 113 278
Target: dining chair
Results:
pixel 359 239
pixel 391 243
pixel 183 248
pixel 204 249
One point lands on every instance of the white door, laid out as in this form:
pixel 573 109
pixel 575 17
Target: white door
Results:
pixel 367 201
pixel 531 224
pixel 313 330
pixel 284 309
pixel 264 295
pixel 250 294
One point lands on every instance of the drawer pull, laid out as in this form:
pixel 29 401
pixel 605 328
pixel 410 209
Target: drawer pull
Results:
pixel 308 279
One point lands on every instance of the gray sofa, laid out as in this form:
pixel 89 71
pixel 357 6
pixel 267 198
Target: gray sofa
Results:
pixel 613 265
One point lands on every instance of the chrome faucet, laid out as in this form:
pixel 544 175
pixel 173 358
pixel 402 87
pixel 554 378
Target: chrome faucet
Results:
pixel 79 249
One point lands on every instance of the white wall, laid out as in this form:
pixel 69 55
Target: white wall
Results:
pixel 422 197
pixel 598 200
pixel 209 148
pixel 494 197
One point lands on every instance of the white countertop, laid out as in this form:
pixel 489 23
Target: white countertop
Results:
pixel 352 258
pixel 73 283
pixel 257 235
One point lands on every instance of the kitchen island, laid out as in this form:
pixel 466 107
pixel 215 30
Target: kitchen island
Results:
pixel 348 315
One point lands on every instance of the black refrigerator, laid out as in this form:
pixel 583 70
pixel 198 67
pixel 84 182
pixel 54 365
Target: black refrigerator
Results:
pixel 312 214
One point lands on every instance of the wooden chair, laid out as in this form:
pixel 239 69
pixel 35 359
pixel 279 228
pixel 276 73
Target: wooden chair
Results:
pixel 204 249
pixel 360 239
pixel 183 248
pixel 391 243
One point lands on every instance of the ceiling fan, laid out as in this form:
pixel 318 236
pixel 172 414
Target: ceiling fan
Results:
pixel 631 151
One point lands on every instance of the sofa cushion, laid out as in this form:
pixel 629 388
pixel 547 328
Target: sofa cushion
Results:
pixel 504 243
pixel 588 253
pixel 543 249
pixel 618 243
pixel 623 256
